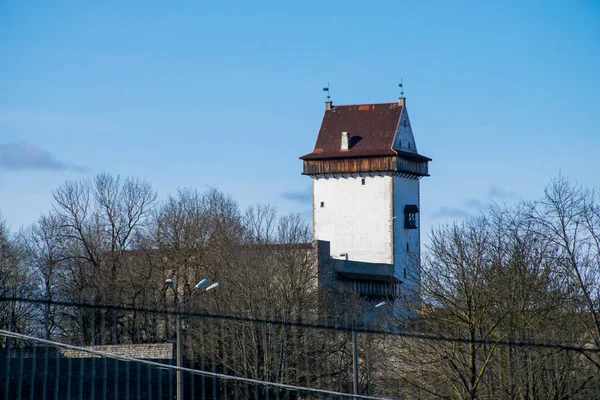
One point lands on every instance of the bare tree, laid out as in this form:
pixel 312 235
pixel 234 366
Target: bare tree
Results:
pixel 44 254
pixel 267 269
pixel 97 223
pixel 14 283
pixel 488 281
pixel 182 230
pixel 568 219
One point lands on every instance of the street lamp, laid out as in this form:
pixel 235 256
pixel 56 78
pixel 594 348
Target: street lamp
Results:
pixel 355 347
pixel 179 304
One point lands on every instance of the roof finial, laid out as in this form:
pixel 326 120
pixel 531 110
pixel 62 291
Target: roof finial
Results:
pixel 326 89
pixel 401 86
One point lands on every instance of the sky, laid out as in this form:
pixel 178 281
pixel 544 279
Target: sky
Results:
pixel 503 96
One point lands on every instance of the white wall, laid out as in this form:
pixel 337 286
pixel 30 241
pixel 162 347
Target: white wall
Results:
pixel 404 139
pixel 406 191
pixel 355 218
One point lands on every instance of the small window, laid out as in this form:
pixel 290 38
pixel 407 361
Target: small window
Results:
pixel 409 145
pixel 410 216
pixel 322 204
pixel 400 143
pixel 410 221
pixel 407 247
pixel 404 273
pixel 404 123
pixel 362 181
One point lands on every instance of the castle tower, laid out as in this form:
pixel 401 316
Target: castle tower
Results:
pixel 365 172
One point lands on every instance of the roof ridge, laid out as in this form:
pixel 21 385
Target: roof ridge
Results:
pixel 364 104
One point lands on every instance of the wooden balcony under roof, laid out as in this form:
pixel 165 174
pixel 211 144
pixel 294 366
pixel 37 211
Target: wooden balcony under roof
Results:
pixel 403 163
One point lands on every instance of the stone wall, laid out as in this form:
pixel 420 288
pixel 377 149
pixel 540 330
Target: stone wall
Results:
pixel 149 351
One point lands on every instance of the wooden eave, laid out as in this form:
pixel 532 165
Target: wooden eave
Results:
pixel 411 165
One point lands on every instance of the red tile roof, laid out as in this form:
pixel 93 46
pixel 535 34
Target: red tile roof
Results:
pixel 371 127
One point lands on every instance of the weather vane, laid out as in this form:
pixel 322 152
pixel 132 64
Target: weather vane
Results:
pixel 326 89
pixel 401 86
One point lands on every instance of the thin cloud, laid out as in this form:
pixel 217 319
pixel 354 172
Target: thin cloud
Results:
pixel 499 193
pixel 304 196
pixel 17 156
pixel 450 212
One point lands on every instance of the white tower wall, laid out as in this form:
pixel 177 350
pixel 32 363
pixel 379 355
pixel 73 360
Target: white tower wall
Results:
pixel 366 222
pixel 358 220
pixel 406 259
pixel 355 218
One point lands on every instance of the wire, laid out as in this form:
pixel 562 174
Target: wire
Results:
pixel 238 318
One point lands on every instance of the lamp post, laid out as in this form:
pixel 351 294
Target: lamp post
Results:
pixel 355 348
pixel 179 306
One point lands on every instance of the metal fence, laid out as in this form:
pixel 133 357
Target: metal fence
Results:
pixel 109 352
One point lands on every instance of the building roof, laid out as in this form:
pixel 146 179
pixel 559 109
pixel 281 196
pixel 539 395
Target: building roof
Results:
pixel 408 154
pixel 372 128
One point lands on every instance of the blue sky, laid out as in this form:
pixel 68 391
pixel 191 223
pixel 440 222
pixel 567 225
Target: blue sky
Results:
pixel 501 95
